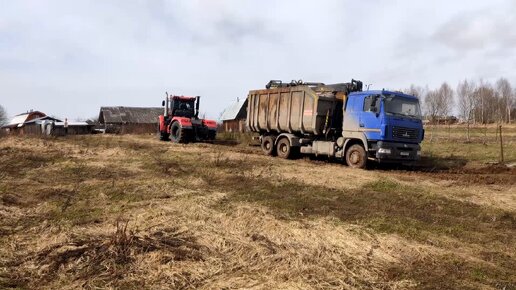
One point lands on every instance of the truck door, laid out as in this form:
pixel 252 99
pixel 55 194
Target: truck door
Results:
pixel 351 115
pixel 369 117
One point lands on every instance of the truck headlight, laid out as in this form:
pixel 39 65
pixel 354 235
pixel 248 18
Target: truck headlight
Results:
pixel 384 151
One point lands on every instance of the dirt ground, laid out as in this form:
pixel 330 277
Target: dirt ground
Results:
pixel 129 212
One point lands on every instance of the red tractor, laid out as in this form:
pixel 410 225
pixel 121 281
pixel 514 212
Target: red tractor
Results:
pixel 180 122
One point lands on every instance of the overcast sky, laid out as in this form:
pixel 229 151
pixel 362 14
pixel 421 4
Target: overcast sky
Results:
pixel 68 58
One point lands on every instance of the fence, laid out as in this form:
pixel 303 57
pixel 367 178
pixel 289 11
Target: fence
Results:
pixel 491 143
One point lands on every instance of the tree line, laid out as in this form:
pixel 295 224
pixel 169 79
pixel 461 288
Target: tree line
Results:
pixel 474 101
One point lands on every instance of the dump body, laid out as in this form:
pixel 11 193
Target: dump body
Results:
pixel 300 109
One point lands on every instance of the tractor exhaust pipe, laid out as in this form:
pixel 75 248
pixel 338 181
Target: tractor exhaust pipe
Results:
pixel 165 113
pixel 197 101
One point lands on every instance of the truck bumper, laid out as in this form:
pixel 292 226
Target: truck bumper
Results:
pixel 397 152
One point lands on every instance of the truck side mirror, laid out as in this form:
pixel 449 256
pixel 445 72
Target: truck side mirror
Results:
pixel 163 103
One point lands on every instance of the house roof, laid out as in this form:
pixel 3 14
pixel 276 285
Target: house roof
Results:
pixel 238 110
pixel 19 120
pixel 39 120
pixel 129 115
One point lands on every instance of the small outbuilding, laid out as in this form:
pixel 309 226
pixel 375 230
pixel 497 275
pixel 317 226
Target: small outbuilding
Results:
pixel 233 117
pixel 129 120
pixel 17 123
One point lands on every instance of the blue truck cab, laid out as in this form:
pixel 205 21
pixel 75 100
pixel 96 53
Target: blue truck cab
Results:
pixel 387 123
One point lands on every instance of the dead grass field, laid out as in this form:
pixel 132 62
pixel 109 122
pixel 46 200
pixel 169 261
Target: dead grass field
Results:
pixel 129 212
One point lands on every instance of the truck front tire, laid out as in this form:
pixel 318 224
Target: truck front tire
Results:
pixel 284 149
pixel 356 156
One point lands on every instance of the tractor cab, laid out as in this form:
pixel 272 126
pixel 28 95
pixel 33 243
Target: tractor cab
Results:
pixel 180 106
pixel 183 107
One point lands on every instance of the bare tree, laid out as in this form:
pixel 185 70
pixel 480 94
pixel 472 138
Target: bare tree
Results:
pixel 416 91
pixel 445 100
pixel 3 116
pixel 432 105
pixel 513 104
pixel 505 93
pixel 466 102
pixel 486 103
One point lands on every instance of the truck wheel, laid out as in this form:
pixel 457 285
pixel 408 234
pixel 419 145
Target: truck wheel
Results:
pixel 268 145
pixel 356 156
pixel 284 149
pixel 177 133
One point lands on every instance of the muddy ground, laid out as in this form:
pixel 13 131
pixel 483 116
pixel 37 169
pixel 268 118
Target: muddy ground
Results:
pixel 129 212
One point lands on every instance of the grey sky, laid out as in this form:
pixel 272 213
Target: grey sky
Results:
pixel 68 58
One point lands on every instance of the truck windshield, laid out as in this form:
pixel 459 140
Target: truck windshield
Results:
pixel 397 105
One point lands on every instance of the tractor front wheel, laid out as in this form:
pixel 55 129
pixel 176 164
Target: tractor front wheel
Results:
pixel 163 136
pixel 178 133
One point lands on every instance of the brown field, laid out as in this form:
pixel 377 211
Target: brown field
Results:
pixel 129 212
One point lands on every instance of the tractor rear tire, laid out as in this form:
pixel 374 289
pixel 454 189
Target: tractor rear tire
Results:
pixel 268 145
pixel 178 133
pixel 284 150
pixel 356 156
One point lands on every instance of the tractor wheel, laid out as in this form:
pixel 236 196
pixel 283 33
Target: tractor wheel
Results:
pixel 268 145
pixel 163 136
pixel 356 156
pixel 212 135
pixel 283 148
pixel 177 133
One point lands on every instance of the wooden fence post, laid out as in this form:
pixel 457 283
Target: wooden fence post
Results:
pixel 501 144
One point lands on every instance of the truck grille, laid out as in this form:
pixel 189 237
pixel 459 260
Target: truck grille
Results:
pixel 405 133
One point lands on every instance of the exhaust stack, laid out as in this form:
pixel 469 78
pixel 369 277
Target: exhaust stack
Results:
pixel 165 113
pixel 197 101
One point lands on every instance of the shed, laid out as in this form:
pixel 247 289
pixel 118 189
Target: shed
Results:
pixel 37 126
pixel 233 117
pixel 126 120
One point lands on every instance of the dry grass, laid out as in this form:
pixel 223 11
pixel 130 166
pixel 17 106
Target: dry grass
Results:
pixel 105 212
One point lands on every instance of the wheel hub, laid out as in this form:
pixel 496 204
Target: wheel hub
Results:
pixel 354 157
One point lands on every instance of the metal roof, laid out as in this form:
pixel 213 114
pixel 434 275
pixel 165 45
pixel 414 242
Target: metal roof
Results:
pixel 40 120
pixel 19 120
pixel 237 110
pixel 129 115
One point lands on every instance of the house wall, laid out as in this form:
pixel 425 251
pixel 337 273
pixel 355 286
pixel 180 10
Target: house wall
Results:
pixel 131 128
pixel 234 126
pixel 35 129
pixel 72 130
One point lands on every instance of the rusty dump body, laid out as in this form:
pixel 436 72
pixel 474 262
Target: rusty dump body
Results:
pixel 297 108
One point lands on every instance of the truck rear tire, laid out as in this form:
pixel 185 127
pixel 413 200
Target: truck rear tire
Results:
pixel 268 145
pixel 177 133
pixel 356 156
pixel 283 148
